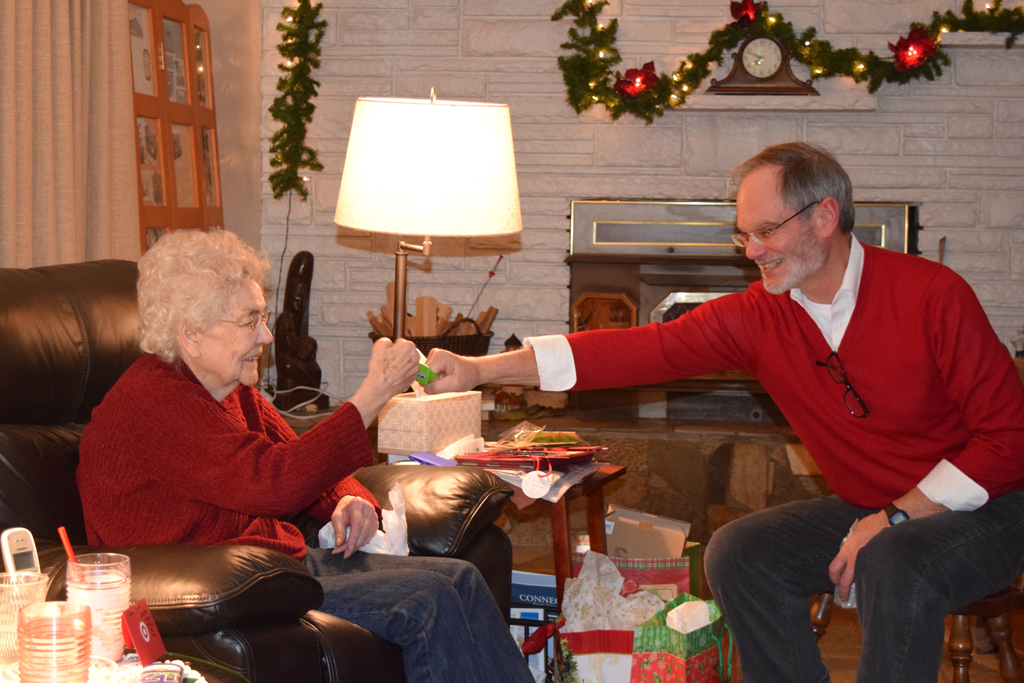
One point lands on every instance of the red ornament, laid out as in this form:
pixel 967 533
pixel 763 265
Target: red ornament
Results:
pixel 744 12
pixel 636 81
pixel 913 50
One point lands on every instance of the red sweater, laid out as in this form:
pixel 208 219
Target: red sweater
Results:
pixel 163 462
pixel 919 350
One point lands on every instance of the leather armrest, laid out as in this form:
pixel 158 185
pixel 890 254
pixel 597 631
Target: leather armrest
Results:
pixel 193 589
pixel 445 507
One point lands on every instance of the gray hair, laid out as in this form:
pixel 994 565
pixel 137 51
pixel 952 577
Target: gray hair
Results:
pixel 809 173
pixel 188 276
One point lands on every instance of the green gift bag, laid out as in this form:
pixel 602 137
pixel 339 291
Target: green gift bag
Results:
pixel 665 655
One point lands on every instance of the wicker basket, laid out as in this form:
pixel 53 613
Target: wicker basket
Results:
pixel 462 344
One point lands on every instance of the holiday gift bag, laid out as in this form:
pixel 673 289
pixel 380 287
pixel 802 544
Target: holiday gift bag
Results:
pixel 594 641
pixel 663 654
pixel 666 577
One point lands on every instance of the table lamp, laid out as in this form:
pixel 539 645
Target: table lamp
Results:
pixel 431 168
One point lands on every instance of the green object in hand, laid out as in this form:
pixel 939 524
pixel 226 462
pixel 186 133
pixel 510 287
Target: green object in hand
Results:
pixel 425 375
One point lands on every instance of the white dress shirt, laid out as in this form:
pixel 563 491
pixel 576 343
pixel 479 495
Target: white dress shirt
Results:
pixel 945 484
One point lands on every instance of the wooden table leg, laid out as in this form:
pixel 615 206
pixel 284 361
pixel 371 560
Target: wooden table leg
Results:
pixel 595 522
pixel 560 545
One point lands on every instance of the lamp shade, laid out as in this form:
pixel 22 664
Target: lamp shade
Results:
pixel 416 167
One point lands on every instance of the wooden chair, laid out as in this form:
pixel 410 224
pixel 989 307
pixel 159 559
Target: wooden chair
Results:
pixel 995 609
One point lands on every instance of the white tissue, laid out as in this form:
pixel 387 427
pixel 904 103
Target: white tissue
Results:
pixel 592 601
pixel 393 540
pixel 689 616
pixel 465 445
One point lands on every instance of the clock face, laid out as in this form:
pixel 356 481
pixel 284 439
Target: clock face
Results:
pixel 761 58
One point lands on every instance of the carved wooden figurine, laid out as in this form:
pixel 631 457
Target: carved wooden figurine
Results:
pixel 296 350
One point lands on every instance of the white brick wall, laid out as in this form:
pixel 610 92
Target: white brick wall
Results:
pixel 956 144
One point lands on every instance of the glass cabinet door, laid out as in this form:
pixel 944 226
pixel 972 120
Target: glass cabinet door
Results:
pixel 176 126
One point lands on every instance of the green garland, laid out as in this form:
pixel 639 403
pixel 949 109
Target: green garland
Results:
pixel 590 81
pixel 302 32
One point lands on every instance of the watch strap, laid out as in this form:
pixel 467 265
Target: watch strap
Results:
pixel 895 515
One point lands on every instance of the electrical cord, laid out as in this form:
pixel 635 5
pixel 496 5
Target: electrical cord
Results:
pixel 270 393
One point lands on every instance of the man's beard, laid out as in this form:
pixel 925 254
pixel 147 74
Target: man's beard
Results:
pixel 808 257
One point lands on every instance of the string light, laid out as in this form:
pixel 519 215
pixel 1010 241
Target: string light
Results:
pixel 601 54
pixel 817 71
pixel 675 77
pixel 595 98
pixel 860 67
pixel 771 20
pixel 675 97
pixel 592 84
pixel 685 88
pixel 305 178
pixel 945 29
pixel 807 43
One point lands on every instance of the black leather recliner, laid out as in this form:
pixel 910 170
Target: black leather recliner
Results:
pixel 67 333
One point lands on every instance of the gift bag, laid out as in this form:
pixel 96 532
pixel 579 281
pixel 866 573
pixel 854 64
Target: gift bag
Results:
pixel 664 655
pixel 666 577
pixel 594 656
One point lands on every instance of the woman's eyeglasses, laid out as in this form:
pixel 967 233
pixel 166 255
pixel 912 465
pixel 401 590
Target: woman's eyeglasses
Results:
pixel 761 236
pixel 853 401
pixel 254 323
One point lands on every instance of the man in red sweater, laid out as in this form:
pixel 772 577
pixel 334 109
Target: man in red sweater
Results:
pixel 889 371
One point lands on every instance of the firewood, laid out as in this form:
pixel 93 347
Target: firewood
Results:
pixel 486 319
pixel 426 313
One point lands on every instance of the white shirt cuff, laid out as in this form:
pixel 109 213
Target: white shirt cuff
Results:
pixel 947 485
pixel 555 364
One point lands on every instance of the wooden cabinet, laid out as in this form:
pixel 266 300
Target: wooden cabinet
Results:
pixel 176 125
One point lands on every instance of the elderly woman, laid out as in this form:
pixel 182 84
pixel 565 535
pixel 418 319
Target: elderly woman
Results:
pixel 184 449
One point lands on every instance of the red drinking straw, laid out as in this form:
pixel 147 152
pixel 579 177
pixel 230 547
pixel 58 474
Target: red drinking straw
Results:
pixel 67 543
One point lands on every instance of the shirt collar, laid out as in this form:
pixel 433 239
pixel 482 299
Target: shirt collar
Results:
pixel 851 277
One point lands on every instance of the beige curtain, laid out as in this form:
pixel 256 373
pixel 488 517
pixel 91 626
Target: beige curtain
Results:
pixel 68 175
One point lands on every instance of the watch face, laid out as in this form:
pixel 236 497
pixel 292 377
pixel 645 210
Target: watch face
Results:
pixel 761 58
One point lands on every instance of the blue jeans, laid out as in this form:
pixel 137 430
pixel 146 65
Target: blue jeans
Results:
pixel 438 610
pixel 763 567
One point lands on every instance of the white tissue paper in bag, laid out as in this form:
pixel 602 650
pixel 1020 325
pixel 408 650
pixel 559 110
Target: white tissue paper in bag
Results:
pixel 689 616
pixel 393 540
pixel 592 601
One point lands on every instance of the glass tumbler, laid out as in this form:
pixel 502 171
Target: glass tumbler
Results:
pixel 103 581
pixel 53 643
pixel 17 589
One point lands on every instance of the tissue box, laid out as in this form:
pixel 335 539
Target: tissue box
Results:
pixel 410 425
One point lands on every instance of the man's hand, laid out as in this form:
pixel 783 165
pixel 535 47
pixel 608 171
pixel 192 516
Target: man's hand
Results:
pixel 361 517
pixel 458 373
pixel 840 571
pixel 454 373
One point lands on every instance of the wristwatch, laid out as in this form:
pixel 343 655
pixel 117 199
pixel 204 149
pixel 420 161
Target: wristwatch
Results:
pixel 895 515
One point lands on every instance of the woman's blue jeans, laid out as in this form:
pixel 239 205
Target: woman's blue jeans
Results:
pixel 438 610
pixel 763 567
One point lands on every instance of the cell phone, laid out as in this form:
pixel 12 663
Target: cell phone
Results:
pixel 19 550
pixel 162 672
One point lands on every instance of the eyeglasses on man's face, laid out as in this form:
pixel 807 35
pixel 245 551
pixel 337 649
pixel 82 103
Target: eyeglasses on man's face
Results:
pixel 253 324
pixel 762 236
pixel 853 401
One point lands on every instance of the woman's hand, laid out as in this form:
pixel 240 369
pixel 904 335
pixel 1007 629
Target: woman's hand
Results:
pixel 392 369
pixel 358 515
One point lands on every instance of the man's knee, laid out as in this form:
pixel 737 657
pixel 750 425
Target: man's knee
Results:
pixel 728 545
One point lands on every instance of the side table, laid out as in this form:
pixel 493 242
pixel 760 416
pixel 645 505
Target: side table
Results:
pixel 593 488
